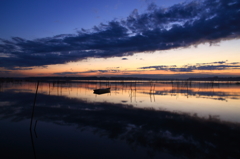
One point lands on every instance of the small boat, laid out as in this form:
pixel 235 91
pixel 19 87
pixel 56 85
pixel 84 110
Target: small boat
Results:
pixel 101 91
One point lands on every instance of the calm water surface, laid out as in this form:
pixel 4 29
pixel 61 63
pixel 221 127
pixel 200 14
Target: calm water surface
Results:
pixel 135 120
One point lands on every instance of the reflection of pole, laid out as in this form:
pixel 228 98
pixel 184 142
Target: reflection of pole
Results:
pixel 34 106
pixel 32 120
pixel 130 94
pixel 33 145
pixel 154 97
pixel 150 97
pixel 135 92
pixel 49 88
pixel 35 128
pixel 152 91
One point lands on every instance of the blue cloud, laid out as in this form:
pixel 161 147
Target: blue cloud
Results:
pixel 181 25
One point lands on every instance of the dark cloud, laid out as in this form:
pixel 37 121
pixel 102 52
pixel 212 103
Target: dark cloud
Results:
pixel 4 72
pixel 20 68
pixel 235 63
pixel 220 65
pixel 66 73
pixel 181 25
pixel 111 68
pixel 217 62
pixel 89 71
pixel 102 71
pixel 176 75
pixel 220 62
pixel 124 58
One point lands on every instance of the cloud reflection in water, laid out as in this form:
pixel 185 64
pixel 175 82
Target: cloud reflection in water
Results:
pixel 180 134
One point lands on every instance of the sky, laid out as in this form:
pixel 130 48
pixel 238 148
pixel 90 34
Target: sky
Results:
pixel 137 38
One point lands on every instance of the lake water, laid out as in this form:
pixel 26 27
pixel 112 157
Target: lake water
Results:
pixel 136 119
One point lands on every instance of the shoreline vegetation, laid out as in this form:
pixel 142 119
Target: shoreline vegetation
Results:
pixel 215 78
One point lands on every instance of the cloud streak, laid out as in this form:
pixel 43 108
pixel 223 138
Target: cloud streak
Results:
pixel 89 71
pixel 181 25
pixel 66 73
pixel 220 65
